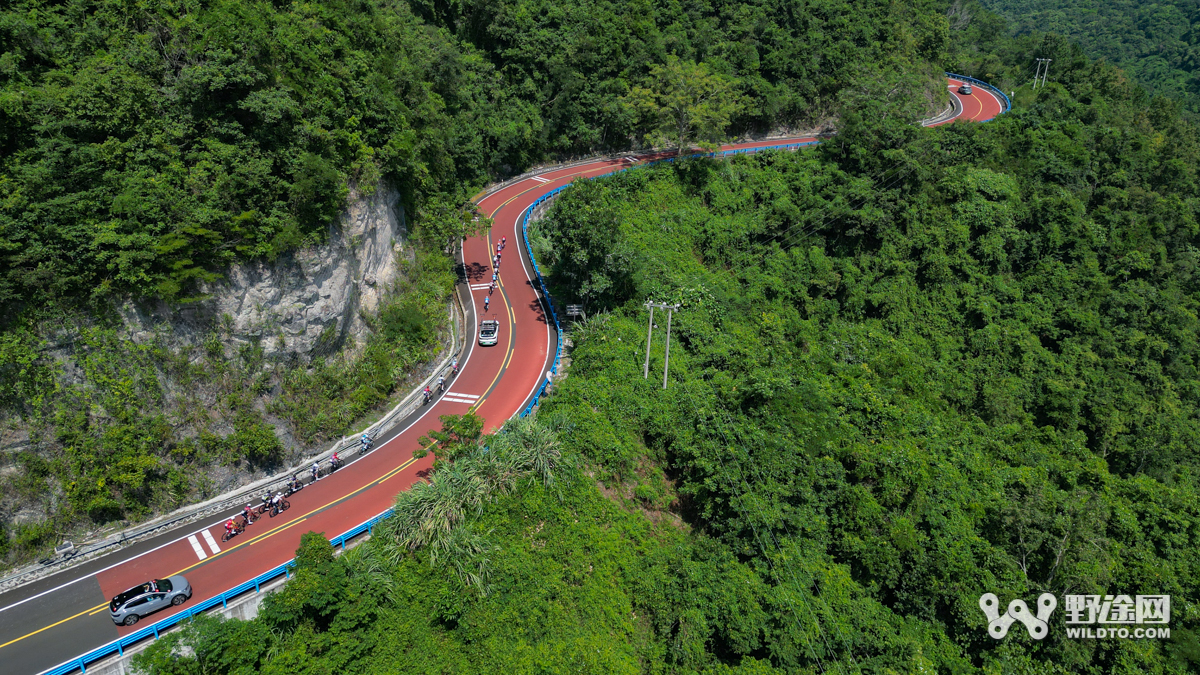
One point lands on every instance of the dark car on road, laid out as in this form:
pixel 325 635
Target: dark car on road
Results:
pixel 150 597
pixel 965 89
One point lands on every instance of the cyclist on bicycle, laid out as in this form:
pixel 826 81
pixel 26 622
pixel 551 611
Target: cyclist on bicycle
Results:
pixel 230 527
pixel 428 394
pixel 248 514
pixel 454 365
pixel 334 462
pixel 441 383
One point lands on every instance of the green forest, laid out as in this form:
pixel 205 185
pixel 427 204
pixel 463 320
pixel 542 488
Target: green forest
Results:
pixel 166 139
pixel 910 365
pixel 1156 43
pixel 145 147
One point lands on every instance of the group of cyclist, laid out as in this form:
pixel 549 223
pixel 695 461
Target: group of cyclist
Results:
pixel 277 503
pixel 441 382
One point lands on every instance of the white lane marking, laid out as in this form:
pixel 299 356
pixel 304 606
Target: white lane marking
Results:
pixel 537 293
pixel 455 393
pixel 196 546
pixel 631 159
pixel 541 180
pixel 480 287
pixel 212 543
pixel 456 400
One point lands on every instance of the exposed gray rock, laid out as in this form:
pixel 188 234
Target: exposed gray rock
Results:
pixel 307 303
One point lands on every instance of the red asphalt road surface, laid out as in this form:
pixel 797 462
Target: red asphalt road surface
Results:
pixel 981 106
pixel 502 377
pixel 518 360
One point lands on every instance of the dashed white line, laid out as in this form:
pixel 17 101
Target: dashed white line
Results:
pixel 455 393
pixel 541 180
pixel 196 547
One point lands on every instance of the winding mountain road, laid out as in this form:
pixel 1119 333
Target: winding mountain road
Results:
pixel 50 621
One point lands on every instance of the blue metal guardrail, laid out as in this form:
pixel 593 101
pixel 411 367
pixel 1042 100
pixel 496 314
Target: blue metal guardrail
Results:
pixel 545 293
pixel 284 570
pixel 985 85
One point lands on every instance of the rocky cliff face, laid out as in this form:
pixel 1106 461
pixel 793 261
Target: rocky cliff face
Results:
pixel 307 303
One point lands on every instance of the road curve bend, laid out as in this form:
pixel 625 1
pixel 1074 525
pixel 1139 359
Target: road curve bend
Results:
pixel 46 622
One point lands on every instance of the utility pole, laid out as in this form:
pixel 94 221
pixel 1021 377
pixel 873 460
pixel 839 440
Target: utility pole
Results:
pixel 1043 69
pixel 671 309
pixel 649 332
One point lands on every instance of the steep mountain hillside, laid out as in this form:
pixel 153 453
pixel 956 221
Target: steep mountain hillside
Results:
pixel 170 173
pixel 1155 42
pixel 909 367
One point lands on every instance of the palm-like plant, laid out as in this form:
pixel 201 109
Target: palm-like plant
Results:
pixel 431 515
pixel 536 446
pixel 370 566
pixel 467 554
pixel 432 509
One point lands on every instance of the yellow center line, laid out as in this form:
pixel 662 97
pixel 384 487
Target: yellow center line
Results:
pixel 276 530
pixel 397 470
pixel 262 539
pixel 509 314
pixel 86 611
pixel 512 316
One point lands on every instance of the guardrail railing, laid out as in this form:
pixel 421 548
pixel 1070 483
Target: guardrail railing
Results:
pixel 154 630
pixel 347 447
pixel 545 295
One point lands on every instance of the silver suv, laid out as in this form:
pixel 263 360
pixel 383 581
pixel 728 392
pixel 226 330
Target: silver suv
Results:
pixel 488 329
pixel 150 597
pixel 965 89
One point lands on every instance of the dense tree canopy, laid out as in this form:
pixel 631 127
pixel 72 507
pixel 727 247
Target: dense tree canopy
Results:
pixel 144 147
pixel 910 367
pixel 1157 42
